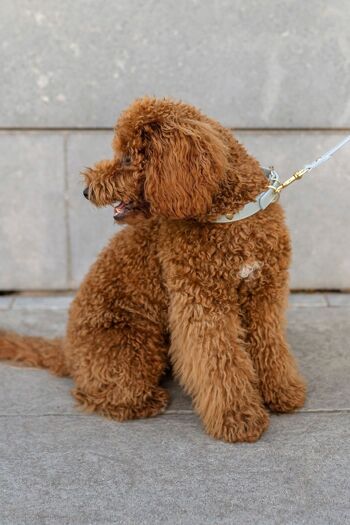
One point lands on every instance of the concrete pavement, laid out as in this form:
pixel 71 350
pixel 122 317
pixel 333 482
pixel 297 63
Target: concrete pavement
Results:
pixel 59 466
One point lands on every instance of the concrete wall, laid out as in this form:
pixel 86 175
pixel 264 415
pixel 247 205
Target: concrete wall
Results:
pixel 278 72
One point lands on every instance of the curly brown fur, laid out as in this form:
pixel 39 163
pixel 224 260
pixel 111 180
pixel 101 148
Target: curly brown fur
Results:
pixel 174 286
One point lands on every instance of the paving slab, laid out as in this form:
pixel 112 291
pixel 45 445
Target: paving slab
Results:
pixel 319 338
pixel 88 470
pixel 6 301
pixel 338 299
pixel 48 323
pixel 307 300
pixel 27 391
pixel 35 303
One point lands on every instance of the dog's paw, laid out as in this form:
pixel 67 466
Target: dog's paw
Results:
pixel 243 426
pixel 154 402
pixel 286 396
pixel 151 404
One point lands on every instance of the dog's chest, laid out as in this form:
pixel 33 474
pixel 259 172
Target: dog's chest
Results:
pixel 249 270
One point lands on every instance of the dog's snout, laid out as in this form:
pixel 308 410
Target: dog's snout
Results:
pixel 86 193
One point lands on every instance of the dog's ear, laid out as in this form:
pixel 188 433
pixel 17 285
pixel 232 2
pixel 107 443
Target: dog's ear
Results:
pixel 185 163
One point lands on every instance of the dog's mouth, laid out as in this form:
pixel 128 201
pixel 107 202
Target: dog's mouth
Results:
pixel 121 209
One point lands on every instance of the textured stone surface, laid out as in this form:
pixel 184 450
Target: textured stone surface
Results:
pixel 6 301
pixel 49 323
pixel 307 300
pixel 61 466
pixel 87 470
pixel 33 239
pixel 42 302
pixel 338 299
pixel 319 338
pixel 248 63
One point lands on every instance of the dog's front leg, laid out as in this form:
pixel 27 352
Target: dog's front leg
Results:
pixel 213 367
pixel 281 386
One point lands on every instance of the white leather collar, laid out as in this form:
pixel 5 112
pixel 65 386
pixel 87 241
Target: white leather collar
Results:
pixel 262 201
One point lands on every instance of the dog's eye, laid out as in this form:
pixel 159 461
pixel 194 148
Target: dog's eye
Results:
pixel 127 160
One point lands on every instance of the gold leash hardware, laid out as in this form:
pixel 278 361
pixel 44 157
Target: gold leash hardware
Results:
pixel 296 176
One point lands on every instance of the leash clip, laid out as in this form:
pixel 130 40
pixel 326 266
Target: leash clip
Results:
pixel 296 176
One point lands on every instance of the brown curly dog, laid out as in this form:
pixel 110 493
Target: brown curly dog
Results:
pixel 174 286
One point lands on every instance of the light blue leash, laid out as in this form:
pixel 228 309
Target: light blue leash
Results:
pixel 264 199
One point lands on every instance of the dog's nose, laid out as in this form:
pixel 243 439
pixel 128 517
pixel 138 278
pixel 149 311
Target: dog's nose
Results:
pixel 86 193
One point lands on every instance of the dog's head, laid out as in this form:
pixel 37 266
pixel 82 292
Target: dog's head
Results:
pixel 169 162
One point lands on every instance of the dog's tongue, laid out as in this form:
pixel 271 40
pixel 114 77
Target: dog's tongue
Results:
pixel 118 207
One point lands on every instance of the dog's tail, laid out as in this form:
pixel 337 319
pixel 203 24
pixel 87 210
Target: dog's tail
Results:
pixel 33 351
